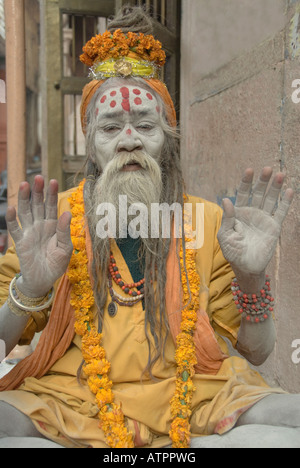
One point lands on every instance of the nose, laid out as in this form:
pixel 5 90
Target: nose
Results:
pixel 129 140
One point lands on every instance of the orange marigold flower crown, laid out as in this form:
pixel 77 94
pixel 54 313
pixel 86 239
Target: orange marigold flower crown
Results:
pixel 103 51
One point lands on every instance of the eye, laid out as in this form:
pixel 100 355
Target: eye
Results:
pixel 111 129
pixel 145 127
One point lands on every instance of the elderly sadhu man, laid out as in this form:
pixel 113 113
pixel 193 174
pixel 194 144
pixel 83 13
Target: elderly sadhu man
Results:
pixel 132 353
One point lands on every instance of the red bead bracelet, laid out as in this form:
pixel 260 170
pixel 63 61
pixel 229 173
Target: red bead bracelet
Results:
pixel 254 308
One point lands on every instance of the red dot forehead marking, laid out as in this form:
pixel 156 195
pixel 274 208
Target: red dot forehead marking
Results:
pixel 103 99
pixel 126 105
pixel 125 92
pixel 137 92
pixel 113 104
pixel 138 101
pixel 128 132
pixel 149 96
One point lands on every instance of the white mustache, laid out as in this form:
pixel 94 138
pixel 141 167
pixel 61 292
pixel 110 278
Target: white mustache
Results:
pixel 125 158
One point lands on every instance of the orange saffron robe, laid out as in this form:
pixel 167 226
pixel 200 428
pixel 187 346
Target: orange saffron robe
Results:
pixel 64 410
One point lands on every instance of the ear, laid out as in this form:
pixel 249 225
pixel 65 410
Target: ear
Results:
pixel 92 170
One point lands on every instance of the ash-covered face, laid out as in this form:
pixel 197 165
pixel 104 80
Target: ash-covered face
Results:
pixel 128 120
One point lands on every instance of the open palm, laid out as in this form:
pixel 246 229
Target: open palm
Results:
pixel 43 243
pixel 250 230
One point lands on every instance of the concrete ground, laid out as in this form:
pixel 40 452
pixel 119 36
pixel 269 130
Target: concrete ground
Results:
pixel 26 442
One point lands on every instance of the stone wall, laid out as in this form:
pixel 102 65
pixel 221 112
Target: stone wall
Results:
pixel 240 107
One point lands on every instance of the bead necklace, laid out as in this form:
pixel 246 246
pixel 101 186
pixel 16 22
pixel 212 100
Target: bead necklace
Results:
pixel 128 288
pixel 135 296
pixel 118 299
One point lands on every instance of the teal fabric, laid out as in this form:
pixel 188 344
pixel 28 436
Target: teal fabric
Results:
pixel 129 248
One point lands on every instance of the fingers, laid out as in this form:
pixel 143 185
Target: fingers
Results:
pixel 31 204
pixel 51 200
pixel 63 232
pixel 284 206
pixel 264 195
pixel 13 225
pixel 228 221
pixel 37 199
pixel 24 208
pixel 267 198
pixel 244 190
pixel 261 187
pixel 271 199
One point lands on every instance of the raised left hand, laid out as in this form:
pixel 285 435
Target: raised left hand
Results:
pixel 250 230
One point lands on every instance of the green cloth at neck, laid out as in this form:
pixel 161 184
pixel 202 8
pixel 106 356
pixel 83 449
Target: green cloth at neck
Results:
pixel 129 249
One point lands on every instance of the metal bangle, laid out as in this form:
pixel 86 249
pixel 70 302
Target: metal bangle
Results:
pixel 25 299
pixel 37 308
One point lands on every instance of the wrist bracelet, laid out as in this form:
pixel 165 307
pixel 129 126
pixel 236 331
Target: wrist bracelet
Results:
pixel 22 305
pixel 16 310
pixel 25 300
pixel 255 308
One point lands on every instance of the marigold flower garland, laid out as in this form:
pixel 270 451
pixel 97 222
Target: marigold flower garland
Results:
pixel 108 45
pixel 185 357
pixel 97 367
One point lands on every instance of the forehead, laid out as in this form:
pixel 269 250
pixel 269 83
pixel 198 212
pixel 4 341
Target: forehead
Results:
pixel 126 99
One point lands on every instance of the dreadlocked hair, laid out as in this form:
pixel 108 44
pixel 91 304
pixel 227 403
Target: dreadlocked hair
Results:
pixel 155 254
pixel 133 19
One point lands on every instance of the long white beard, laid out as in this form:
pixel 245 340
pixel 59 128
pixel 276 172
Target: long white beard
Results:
pixel 142 187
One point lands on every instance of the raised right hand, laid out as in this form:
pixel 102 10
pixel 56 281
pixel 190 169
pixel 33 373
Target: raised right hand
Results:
pixel 43 243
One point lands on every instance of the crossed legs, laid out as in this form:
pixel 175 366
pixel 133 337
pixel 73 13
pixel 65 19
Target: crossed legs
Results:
pixel 281 413
pixel 281 410
pixel 13 423
pixel 274 422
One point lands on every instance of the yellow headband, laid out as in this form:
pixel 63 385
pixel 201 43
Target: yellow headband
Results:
pixel 125 66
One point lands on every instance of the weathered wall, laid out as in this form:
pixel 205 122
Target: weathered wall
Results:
pixel 240 60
